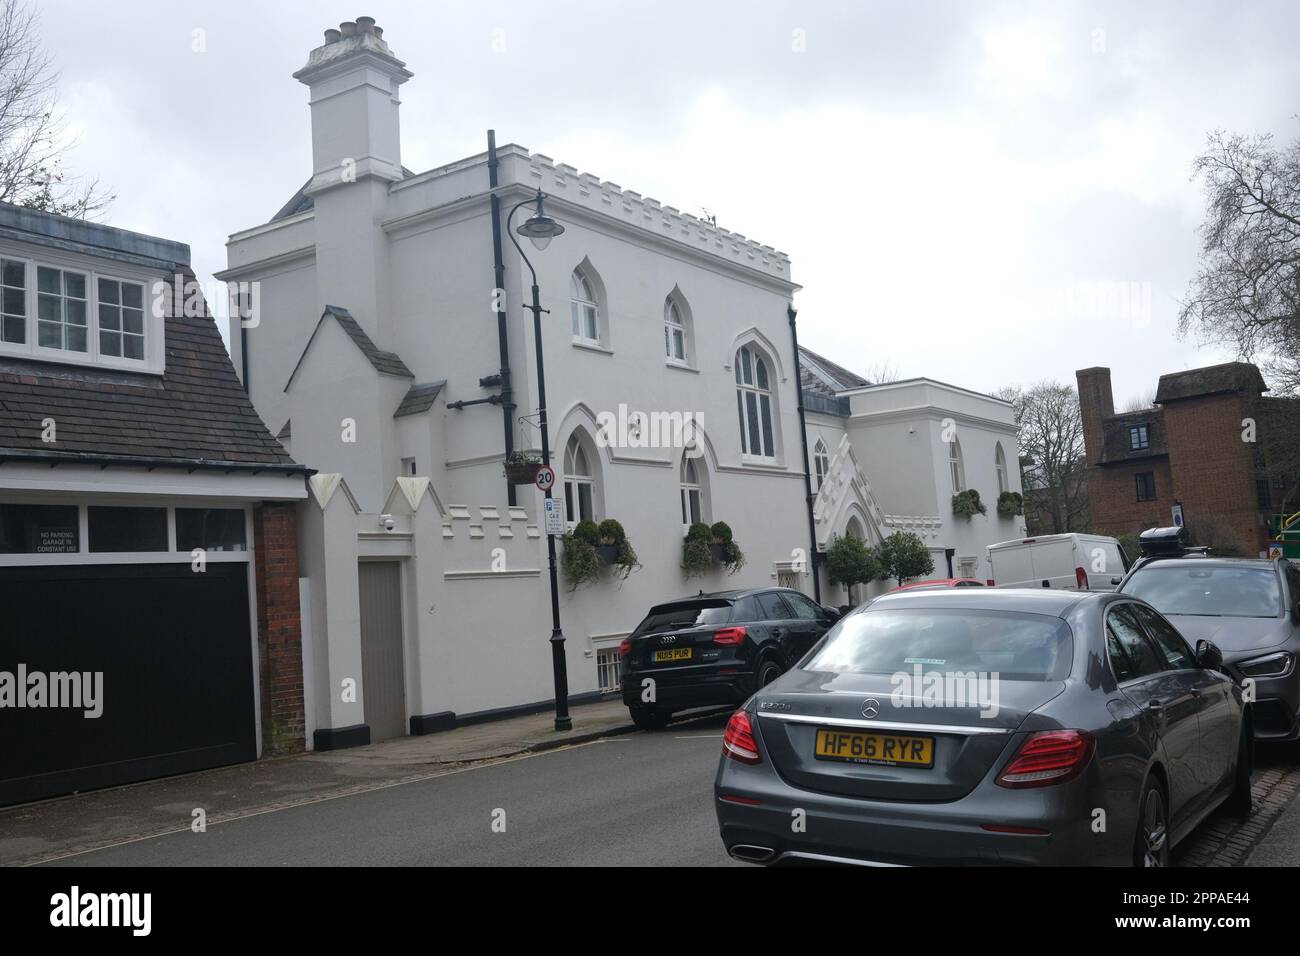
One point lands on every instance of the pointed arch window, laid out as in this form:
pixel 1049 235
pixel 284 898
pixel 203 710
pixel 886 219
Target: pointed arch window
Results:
pixel 674 331
pixel 821 462
pixel 692 492
pixel 1000 464
pixel 579 483
pixel 583 308
pixel 754 403
pixel 956 467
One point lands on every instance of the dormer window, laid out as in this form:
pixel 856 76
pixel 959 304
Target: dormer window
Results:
pixel 121 319
pixel 1138 438
pixel 62 311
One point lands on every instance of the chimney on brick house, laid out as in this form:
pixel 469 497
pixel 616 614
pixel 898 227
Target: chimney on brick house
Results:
pixel 1096 402
pixel 356 155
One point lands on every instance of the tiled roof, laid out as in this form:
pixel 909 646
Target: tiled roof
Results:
pixel 823 375
pixel 1212 380
pixel 387 363
pixel 1117 444
pixel 196 413
pixel 301 202
pixel 419 399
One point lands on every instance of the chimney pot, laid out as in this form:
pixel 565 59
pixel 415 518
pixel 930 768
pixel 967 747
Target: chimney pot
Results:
pixel 332 36
pixel 366 24
pixel 348 28
pixel 379 33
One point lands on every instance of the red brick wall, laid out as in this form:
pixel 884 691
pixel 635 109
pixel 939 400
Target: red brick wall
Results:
pixel 279 627
pixel 1113 507
pixel 1213 467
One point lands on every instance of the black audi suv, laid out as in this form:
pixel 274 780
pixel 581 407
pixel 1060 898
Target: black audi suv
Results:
pixel 715 649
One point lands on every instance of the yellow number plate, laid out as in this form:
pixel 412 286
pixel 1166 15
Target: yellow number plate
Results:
pixel 887 749
pixel 676 654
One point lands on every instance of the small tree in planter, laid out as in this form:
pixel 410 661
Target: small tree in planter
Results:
pixel 1010 504
pixel 697 557
pixel 903 555
pixel 967 503
pixel 849 561
pixel 521 467
pixel 615 550
pixel 578 553
pixel 724 549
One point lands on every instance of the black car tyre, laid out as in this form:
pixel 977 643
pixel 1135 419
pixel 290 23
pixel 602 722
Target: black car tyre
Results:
pixel 1240 802
pixel 1151 843
pixel 650 718
pixel 768 671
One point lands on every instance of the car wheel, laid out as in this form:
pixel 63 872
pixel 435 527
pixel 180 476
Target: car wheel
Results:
pixel 1151 845
pixel 649 718
pixel 1240 802
pixel 768 671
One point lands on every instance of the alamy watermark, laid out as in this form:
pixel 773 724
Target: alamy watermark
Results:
pixel 72 690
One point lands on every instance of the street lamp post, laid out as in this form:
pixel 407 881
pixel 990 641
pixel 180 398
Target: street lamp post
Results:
pixel 541 229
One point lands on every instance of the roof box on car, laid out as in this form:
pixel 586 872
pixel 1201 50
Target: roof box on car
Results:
pixel 1161 541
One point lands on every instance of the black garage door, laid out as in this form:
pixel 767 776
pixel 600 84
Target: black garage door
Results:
pixel 174 649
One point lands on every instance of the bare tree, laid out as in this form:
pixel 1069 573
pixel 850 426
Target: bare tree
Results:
pixel 1247 293
pixel 882 372
pixel 1052 460
pixel 33 137
pixel 1140 403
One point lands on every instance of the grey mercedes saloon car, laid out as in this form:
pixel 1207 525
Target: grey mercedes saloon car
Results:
pixel 983 726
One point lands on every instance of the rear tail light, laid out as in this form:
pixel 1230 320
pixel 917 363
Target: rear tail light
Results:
pixel 1081 578
pixel 729 635
pixel 738 742
pixel 990 583
pixel 625 647
pixel 1048 757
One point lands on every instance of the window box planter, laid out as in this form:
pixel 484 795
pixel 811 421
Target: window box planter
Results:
pixel 705 546
pixel 967 504
pixel 607 553
pixel 718 552
pixel 1010 504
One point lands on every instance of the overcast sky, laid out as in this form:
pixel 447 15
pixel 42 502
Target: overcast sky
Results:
pixel 984 193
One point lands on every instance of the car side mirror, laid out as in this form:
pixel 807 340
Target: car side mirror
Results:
pixel 1115 581
pixel 1209 656
pixel 830 614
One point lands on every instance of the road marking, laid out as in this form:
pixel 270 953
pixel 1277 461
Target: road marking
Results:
pixel 492 762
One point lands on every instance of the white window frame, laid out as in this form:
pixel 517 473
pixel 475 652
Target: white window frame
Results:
pixel 154 361
pixel 675 333
pixel 573 482
pixel 763 398
pixel 1000 465
pixel 821 463
pixel 83 555
pixel 689 488
pixel 956 467
pixel 584 309
pixel 121 306
pixel 609 663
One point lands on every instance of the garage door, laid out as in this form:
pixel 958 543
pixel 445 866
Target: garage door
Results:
pixel 173 647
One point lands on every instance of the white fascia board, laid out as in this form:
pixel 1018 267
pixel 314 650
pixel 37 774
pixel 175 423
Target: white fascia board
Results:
pixel 159 483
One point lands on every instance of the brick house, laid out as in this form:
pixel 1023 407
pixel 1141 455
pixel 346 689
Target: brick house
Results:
pixel 148 523
pixel 1212 443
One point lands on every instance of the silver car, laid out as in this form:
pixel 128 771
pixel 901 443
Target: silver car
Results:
pixel 983 726
pixel 1250 608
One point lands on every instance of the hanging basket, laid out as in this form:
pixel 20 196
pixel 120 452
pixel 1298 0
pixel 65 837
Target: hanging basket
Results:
pixel 521 472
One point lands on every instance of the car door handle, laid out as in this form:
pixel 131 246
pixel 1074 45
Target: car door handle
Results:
pixel 1156 706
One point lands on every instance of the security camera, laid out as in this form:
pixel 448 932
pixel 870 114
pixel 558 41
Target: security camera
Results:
pixel 388 522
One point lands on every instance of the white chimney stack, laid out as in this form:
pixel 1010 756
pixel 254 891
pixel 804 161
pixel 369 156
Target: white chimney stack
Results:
pixel 353 78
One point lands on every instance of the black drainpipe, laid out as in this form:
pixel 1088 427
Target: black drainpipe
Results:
pixel 503 335
pixel 814 558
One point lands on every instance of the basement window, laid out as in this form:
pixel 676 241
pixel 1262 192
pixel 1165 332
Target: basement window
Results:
pixel 608 670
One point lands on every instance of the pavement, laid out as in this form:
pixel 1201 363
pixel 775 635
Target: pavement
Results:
pixel 36 832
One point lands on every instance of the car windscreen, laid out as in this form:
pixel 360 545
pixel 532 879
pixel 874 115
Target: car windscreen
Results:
pixel 672 617
pixel 1014 645
pixel 1186 587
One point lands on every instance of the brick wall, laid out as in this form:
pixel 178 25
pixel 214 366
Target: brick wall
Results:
pixel 279 627
pixel 1113 507
pixel 1213 469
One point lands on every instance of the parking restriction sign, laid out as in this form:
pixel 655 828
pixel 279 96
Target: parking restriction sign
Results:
pixel 553 516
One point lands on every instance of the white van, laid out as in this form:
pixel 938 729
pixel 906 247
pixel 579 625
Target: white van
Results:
pixel 1069 562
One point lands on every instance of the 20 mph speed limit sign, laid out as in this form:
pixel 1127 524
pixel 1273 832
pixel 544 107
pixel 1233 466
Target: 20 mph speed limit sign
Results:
pixel 545 477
